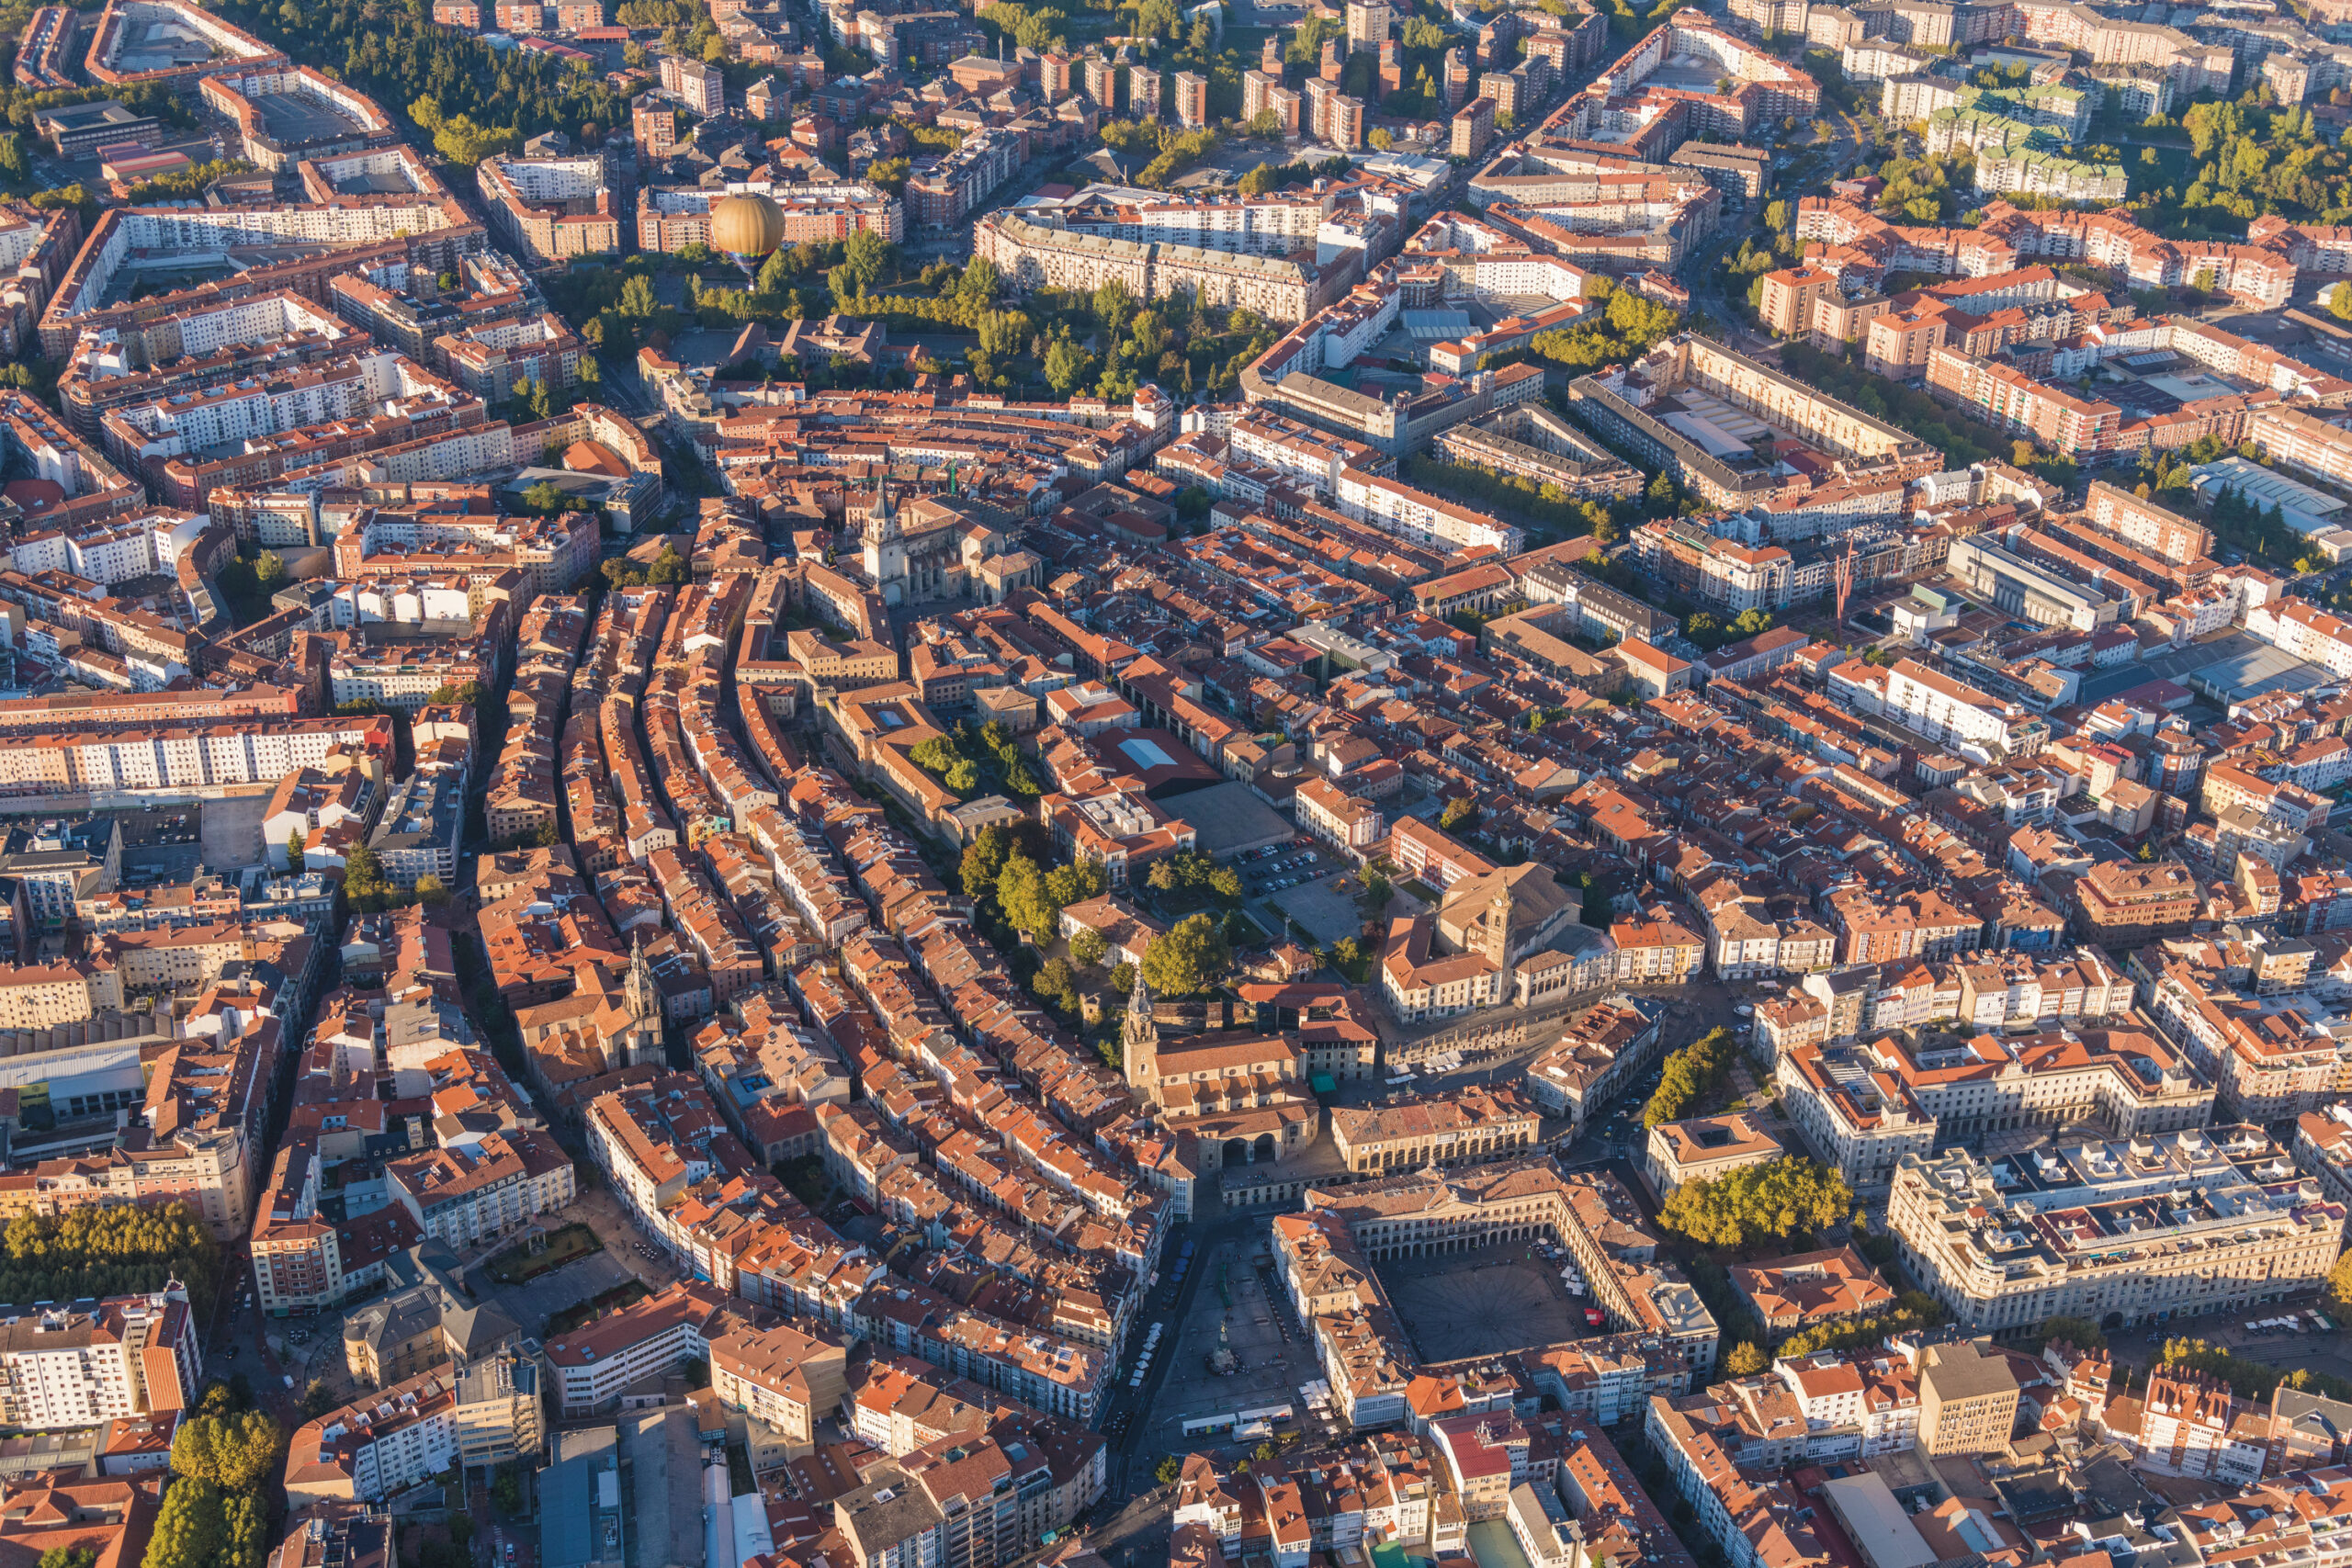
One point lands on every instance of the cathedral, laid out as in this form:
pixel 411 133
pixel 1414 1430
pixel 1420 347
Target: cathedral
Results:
pixel 942 547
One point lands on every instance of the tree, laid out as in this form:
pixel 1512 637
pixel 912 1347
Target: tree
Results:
pixel 190 1529
pixel 1191 958
pixel 317 1399
pixel 1055 982
pixel 1076 883
pixel 2079 1332
pixel 1376 892
pixel 1169 1469
pixel 1089 946
pixel 1067 367
pixel 1776 217
pixel 269 572
pixel 235 1453
pixel 1773 1201
pixel 1021 893
pixel 2339 302
pixel 1745 1360
pixel 1688 1074
pixel 507 1491
pixel 1459 812
pixel 867 256
pixel 294 852
pixel 432 890
pixel 984 860
pixel 1122 979
pixel 363 880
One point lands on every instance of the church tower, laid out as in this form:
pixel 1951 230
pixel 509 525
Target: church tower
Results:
pixel 1497 945
pixel 1142 1043
pixel 642 999
pixel 886 551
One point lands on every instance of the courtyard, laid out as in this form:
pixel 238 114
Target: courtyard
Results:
pixel 1483 1302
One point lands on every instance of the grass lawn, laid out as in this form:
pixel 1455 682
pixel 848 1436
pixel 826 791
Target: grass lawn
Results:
pixel 625 1294
pixel 517 1264
pixel 1175 904
pixel 1255 935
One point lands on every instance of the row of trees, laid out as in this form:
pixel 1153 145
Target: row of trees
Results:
pixel 1771 1201
pixel 186 184
pixel 1173 151
pixel 1689 1075
pixel 1190 869
pixel 216 1511
pixel 1545 503
pixel 955 760
pixel 2247 1378
pixel 957 773
pixel 1710 633
pixel 1963 440
pixel 1912 1309
pixel 1274 176
pixel 2260 531
pixel 1626 327
pixel 109 1252
pixel 366 889
pixel 1039 28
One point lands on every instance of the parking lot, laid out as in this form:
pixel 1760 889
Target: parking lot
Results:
pixel 165 843
pixel 1296 880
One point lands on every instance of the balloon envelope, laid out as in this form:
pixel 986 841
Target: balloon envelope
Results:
pixel 746 226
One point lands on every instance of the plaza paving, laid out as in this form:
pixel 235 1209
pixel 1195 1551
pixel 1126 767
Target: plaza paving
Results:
pixel 1481 1303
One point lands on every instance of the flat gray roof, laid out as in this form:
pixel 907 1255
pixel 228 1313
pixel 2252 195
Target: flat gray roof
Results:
pixel 570 1526
pixel 665 1452
pixel 1876 1523
pixel 1229 818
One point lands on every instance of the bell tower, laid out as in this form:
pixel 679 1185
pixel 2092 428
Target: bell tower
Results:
pixel 642 999
pixel 1499 911
pixel 884 551
pixel 1142 1043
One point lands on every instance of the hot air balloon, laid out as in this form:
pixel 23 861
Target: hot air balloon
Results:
pixel 748 227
